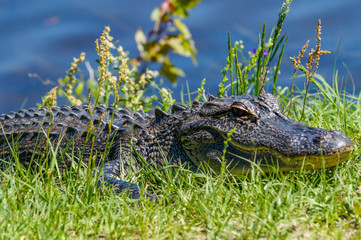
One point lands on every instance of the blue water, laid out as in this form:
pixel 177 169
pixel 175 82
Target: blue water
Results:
pixel 42 37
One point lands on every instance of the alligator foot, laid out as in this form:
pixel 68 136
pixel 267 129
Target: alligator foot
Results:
pixel 109 176
pixel 132 190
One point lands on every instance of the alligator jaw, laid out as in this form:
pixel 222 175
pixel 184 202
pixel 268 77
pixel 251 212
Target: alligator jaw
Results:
pixel 270 160
pixel 317 162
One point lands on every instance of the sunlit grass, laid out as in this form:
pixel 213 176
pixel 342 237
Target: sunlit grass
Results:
pixel 322 203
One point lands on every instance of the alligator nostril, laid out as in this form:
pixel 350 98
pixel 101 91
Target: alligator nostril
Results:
pixel 318 139
pixel 332 139
pixel 322 137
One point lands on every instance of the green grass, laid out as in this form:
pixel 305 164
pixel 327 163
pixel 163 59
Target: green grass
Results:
pixel 323 204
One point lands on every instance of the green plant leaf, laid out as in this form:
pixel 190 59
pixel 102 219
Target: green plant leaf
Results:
pixel 140 39
pixel 79 88
pixel 182 6
pixel 182 28
pixel 357 208
pixel 188 43
pixel 156 51
pixel 170 71
pixel 155 15
pixel 175 42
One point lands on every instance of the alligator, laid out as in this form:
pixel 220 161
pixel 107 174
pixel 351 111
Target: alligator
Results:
pixel 119 139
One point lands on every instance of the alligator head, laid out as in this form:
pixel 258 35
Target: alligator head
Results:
pixel 262 135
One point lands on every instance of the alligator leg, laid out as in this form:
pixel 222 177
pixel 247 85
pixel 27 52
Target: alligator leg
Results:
pixel 110 176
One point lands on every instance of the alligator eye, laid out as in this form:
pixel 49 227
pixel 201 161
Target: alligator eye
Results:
pixel 241 112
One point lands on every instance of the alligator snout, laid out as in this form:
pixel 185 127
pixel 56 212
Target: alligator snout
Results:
pixel 332 142
pixel 322 148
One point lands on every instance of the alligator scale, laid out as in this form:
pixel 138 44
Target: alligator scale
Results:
pixel 188 136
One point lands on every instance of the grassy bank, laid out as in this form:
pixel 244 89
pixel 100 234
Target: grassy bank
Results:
pixel 310 204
